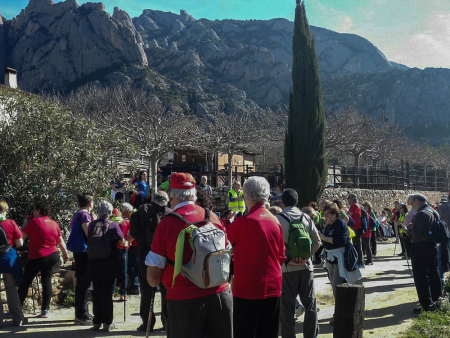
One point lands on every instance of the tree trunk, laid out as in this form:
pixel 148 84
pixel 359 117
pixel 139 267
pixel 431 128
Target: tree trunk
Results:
pixel 230 169
pixel 153 175
pixel 356 159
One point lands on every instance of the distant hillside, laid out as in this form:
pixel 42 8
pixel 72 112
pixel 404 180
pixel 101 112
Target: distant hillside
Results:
pixel 204 64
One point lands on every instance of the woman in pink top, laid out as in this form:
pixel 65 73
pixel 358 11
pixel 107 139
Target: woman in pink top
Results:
pixel 10 266
pixel 44 234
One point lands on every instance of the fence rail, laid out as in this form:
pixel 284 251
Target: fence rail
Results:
pixel 376 178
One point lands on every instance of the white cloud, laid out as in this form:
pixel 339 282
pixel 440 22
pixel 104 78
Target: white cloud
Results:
pixel 427 48
pixel 345 25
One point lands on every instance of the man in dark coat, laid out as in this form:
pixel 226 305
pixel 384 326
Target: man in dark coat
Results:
pixel 143 225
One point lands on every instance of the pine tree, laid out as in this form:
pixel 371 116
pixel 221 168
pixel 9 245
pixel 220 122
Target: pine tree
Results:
pixel 304 149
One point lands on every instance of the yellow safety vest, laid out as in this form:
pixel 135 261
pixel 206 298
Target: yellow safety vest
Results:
pixel 236 206
pixel 401 218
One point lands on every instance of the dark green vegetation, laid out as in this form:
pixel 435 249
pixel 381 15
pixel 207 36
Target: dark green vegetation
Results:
pixel 49 154
pixel 305 139
pixel 433 324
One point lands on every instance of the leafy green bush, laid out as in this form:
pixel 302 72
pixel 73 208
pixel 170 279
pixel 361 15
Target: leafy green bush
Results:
pixel 430 325
pixel 68 297
pixel 48 153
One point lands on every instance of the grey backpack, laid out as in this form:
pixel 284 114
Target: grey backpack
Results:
pixel 209 265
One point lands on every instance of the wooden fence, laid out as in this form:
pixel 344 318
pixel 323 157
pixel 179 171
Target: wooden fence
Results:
pixel 376 178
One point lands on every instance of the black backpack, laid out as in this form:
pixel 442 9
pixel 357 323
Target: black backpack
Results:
pixel 439 232
pixel 4 243
pixel 99 240
pixel 350 257
pixel 363 218
pixel 144 222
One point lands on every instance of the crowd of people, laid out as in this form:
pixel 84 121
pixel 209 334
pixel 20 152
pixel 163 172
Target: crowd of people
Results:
pixel 267 246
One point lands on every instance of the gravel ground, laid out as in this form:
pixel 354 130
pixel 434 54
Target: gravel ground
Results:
pixel 390 298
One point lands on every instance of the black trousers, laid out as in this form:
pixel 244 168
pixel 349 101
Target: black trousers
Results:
pixel 102 301
pixel 256 318
pixel 205 317
pixel 81 287
pixel 357 243
pixel 45 266
pixel 426 275
pixel 148 292
pixel 367 249
pixel 373 243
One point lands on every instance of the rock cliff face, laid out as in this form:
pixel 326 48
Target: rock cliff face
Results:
pixel 2 48
pixel 206 64
pixel 55 44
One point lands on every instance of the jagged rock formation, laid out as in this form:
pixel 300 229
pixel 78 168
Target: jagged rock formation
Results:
pixel 55 44
pixel 203 64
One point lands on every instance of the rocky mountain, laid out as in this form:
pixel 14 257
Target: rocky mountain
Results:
pixel 204 64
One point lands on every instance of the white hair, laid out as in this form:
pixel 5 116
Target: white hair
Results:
pixel 126 207
pixel 183 194
pixel 161 197
pixel 104 209
pixel 257 189
pixel 204 177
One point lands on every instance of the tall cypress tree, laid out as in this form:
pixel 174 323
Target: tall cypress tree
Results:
pixel 304 149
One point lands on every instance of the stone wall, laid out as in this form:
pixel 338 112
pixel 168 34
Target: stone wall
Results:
pixel 219 198
pixel 61 280
pixel 379 198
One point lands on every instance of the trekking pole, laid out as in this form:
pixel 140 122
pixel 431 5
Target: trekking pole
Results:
pixel 125 298
pixel 150 314
pixel 407 262
pixel 39 291
pixel 32 298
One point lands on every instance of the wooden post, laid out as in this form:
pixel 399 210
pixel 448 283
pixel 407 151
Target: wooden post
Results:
pixel 334 176
pixel 349 311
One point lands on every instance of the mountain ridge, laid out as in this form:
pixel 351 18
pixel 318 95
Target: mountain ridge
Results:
pixel 208 64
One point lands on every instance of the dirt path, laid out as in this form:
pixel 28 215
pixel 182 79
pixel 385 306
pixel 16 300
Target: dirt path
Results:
pixel 390 298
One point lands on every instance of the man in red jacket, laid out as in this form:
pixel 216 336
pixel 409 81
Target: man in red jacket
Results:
pixel 190 311
pixel 258 255
pixel 355 213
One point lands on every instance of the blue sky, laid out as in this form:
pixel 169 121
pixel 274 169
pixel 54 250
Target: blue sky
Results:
pixel 412 32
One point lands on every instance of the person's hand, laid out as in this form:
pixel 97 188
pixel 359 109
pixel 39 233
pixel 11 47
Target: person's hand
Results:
pixel 65 258
pixel 321 235
pixel 297 261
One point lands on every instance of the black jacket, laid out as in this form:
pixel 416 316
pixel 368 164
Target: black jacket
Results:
pixel 143 224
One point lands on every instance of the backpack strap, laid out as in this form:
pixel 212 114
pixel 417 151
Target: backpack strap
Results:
pixel 179 248
pixel 287 218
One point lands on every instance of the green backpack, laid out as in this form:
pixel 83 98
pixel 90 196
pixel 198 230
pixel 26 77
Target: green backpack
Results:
pixel 299 241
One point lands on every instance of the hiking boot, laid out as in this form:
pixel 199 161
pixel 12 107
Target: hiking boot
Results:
pixel 83 321
pixel 134 291
pixel 44 314
pixel 96 327
pixel 362 266
pixel 368 263
pixel 401 254
pixel 108 327
pixel 299 310
pixel 419 310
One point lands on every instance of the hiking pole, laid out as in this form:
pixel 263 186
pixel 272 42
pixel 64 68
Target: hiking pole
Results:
pixel 125 298
pixel 38 290
pixel 150 314
pixel 407 262
pixel 32 298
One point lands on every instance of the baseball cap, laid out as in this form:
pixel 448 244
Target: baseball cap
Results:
pixel 182 181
